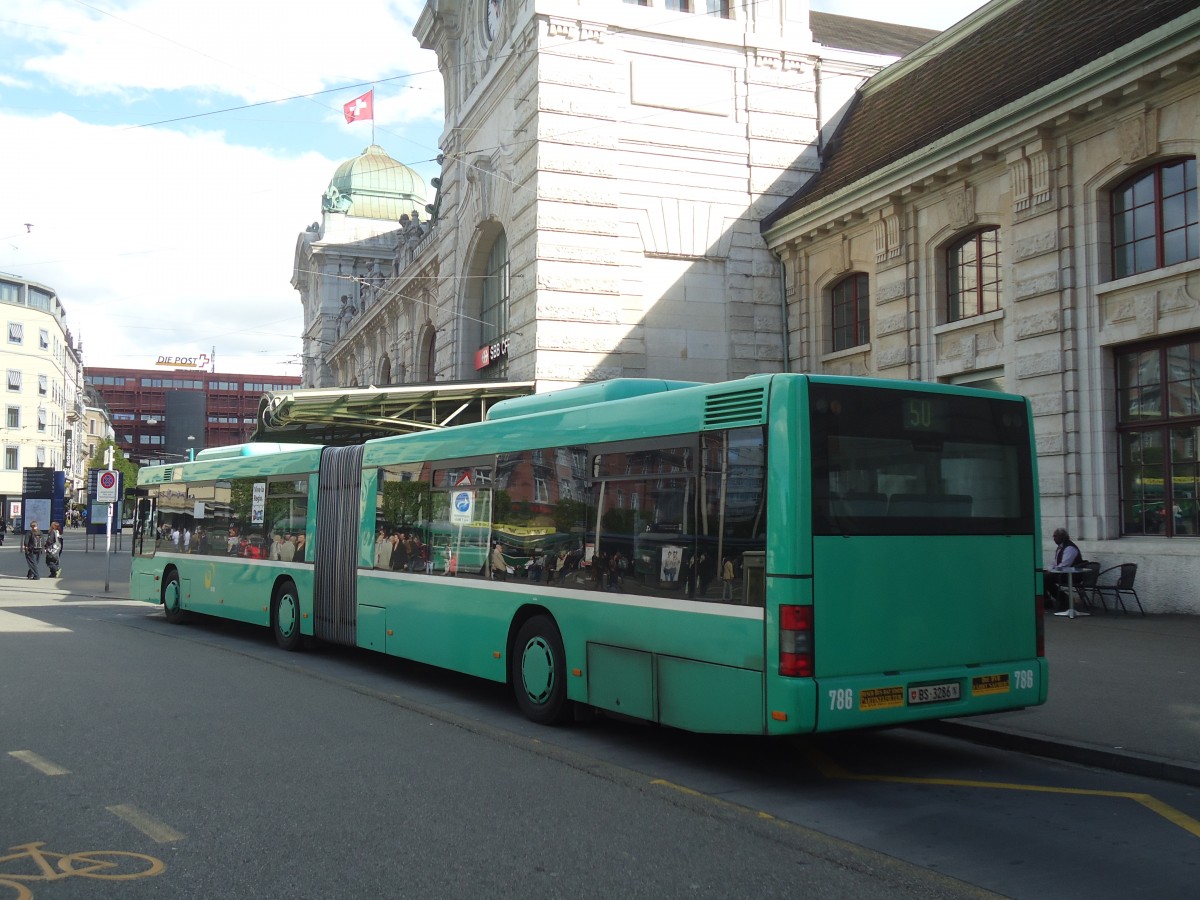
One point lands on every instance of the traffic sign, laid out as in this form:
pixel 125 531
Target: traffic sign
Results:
pixel 462 507
pixel 106 487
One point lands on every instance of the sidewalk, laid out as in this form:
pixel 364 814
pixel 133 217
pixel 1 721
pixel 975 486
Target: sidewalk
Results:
pixel 1124 695
pixel 84 572
pixel 1124 690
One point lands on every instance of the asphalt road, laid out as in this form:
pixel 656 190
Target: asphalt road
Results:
pixel 249 772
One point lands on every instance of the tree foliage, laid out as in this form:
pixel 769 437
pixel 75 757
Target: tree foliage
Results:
pixel 121 463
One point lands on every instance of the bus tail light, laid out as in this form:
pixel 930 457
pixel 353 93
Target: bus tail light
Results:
pixel 796 641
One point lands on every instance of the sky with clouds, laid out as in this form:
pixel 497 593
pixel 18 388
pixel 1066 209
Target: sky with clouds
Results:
pixel 160 157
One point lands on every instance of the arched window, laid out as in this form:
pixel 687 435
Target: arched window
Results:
pixel 973 275
pixel 493 310
pixel 851 312
pixel 431 356
pixel 385 371
pixel 1154 218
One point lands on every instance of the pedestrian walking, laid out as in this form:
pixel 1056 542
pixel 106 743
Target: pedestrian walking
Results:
pixel 54 547
pixel 33 550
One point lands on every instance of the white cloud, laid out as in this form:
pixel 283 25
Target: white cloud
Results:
pixel 179 237
pixel 161 242
pixel 255 51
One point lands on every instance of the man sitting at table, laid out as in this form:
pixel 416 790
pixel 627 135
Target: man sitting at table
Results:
pixel 1066 557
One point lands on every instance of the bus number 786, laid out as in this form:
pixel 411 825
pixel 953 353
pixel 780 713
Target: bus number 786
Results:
pixel 841 698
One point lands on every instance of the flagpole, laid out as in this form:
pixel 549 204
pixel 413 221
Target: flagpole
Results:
pixel 372 115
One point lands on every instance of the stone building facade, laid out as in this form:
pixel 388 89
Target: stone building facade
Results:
pixel 43 383
pixel 1015 207
pixel 370 225
pixel 605 166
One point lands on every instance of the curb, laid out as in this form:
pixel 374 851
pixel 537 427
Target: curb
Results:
pixel 1127 762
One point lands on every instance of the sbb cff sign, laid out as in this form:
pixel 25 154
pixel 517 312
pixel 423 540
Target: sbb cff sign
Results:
pixel 490 353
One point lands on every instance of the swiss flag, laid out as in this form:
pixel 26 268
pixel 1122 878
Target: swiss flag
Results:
pixel 360 107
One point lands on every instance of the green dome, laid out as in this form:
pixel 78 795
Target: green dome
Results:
pixel 374 186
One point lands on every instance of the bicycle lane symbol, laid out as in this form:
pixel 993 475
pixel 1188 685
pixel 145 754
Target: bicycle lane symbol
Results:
pixel 32 864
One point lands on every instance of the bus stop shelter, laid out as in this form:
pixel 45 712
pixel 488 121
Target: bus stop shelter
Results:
pixel 341 416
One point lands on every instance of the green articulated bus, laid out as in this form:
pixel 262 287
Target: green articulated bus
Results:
pixel 782 554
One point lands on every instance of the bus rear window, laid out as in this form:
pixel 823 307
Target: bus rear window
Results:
pixel 902 462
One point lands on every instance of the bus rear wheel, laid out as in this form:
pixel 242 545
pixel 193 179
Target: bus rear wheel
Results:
pixel 538 671
pixel 172 599
pixel 285 616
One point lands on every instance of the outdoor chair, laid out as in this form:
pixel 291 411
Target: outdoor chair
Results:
pixel 1121 588
pixel 1085 584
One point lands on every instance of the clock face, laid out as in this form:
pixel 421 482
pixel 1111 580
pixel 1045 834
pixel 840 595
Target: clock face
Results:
pixel 491 18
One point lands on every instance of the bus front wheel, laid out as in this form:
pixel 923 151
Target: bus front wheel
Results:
pixel 285 616
pixel 172 599
pixel 538 671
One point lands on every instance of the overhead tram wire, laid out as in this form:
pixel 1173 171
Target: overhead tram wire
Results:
pixel 343 88
pixel 460 157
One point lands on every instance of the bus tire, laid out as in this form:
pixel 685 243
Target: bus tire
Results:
pixel 538 671
pixel 172 599
pixel 285 616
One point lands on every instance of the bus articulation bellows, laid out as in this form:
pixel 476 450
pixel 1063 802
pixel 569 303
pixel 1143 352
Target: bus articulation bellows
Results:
pixel 777 555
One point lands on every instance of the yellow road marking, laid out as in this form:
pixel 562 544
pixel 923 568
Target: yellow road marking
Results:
pixel 874 860
pixel 830 769
pixel 42 765
pixel 147 825
pixel 692 792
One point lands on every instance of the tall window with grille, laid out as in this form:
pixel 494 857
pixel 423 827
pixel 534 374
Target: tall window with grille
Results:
pixel 1158 424
pixel 851 311
pixel 973 275
pixel 1154 218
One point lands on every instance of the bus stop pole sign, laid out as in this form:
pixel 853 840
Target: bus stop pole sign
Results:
pixel 106 487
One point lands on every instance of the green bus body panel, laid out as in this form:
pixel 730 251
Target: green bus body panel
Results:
pixel 882 605
pixel 584 395
pixel 791 704
pixel 788 460
pixel 255 449
pixel 232 588
pixel 682 411
pixel 372 627
pixel 144 583
pixel 465 627
pixel 294 460
pixel 700 696
pixel 621 680
pixel 984 689
pixel 683 693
